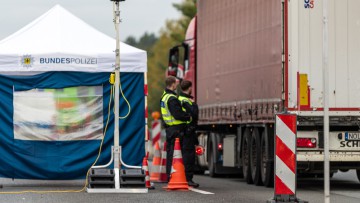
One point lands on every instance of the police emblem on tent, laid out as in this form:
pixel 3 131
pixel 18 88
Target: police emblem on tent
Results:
pixel 27 61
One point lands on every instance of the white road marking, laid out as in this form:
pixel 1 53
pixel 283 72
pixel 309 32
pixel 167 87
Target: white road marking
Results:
pixel 200 191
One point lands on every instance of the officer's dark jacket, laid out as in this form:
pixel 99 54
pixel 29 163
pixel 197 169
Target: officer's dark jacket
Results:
pixel 192 109
pixel 175 107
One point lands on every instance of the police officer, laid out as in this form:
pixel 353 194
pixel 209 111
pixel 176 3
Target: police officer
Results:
pixel 189 139
pixel 174 119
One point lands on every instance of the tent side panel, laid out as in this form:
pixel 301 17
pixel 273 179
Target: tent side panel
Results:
pixel 62 160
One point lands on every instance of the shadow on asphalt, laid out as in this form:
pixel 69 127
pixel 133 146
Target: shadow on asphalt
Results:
pixel 339 185
pixel 306 183
pixel 7 182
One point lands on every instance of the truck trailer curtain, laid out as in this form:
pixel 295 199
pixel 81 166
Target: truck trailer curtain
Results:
pixel 51 124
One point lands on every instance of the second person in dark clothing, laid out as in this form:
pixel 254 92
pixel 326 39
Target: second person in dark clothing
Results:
pixel 189 140
pixel 174 119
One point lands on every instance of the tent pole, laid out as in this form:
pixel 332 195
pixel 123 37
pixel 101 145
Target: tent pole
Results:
pixel 116 152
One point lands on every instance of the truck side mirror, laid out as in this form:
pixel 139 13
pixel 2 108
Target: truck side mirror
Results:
pixel 173 61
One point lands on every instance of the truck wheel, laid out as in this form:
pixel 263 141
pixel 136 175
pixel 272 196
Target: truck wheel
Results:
pixel 358 174
pixel 266 166
pixel 246 156
pixel 255 157
pixel 211 164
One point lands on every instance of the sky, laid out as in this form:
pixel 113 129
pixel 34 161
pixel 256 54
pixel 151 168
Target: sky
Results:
pixel 138 16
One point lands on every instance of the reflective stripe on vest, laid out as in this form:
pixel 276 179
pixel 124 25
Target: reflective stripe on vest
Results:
pixel 166 115
pixel 183 100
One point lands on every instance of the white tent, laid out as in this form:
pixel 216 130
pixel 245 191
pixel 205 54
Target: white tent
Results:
pixel 60 41
pixel 55 98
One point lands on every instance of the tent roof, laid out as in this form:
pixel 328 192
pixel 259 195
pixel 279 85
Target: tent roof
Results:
pixel 58 40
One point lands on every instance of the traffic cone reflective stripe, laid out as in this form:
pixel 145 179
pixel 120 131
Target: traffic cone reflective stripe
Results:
pixel 163 176
pixel 177 176
pixel 155 169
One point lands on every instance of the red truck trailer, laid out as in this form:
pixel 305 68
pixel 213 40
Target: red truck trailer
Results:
pixel 249 60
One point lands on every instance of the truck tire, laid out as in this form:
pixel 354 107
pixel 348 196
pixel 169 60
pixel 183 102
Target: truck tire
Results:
pixel 266 165
pixel 358 174
pixel 245 158
pixel 255 157
pixel 212 164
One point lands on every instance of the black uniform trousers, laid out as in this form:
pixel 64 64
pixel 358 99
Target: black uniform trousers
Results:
pixel 188 152
pixel 187 149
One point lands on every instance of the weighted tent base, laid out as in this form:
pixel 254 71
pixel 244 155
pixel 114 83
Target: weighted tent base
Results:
pixel 103 180
pixel 112 190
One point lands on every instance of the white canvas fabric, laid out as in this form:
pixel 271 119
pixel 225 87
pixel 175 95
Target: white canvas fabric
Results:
pixel 60 41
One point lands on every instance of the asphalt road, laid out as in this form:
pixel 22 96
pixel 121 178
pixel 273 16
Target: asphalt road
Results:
pixel 344 189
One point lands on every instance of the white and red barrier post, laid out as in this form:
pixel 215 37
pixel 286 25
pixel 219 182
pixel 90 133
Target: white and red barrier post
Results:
pixel 285 159
pixel 155 132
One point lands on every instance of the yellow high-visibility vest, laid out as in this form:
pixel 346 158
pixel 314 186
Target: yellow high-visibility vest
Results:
pixel 183 100
pixel 166 115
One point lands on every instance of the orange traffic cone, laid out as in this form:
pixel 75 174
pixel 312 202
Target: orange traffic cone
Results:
pixel 155 169
pixel 163 175
pixel 147 178
pixel 177 177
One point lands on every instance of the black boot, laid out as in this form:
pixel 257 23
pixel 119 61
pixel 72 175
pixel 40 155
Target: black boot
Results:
pixel 193 184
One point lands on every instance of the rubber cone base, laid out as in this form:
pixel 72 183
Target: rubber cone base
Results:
pixel 177 186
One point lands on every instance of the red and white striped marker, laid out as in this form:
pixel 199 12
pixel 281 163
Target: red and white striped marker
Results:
pixel 285 142
pixel 163 175
pixel 156 162
pixel 147 177
pixel 146 107
pixel 285 159
pixel 155 131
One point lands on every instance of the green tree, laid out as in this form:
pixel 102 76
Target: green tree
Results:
pixel 131 40
pixel 188 11
pixel 187 8
pixel 172 34
pixel 146 42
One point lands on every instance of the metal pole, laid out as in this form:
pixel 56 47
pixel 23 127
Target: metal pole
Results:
pixel 116 152
pixel 326 102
